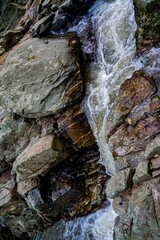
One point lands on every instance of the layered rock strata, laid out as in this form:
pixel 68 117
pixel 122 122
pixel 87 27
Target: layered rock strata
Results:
pixel 134 142
pixel 49 165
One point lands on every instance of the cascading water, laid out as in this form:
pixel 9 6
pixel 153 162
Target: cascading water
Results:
pixel 114 25
pixel 115 28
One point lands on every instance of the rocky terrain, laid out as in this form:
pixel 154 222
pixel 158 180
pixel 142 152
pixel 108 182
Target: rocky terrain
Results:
pixel 49 161
pixel 133 137
pixel 49 165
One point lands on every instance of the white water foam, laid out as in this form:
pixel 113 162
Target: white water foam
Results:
pixel 114 25
pixel 96 226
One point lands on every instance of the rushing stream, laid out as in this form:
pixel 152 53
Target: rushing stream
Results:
pixel 114 25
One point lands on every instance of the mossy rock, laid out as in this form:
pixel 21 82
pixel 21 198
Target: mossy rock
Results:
pixel 11 15
pixel 146 5
pixel 9 38
pixel 147 14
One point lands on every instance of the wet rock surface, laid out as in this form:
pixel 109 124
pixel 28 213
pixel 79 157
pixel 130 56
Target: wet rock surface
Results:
pixel 49 166
pixel 49 170
pixel 73 188
pixel 37 17
pixel 74 126
pixel 134 142
pixel 139 212
pixel 56 82
pixel 132 92
pixel 40 156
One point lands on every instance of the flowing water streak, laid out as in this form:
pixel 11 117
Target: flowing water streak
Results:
pixel 96 226
pixel 114 25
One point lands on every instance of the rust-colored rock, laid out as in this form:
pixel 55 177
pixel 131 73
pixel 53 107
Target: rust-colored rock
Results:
pixel 138 115
pixel 134 141
pixel 139 209
pixel 74 126
pixel 129 139
pixel 73 188
pixel 132 92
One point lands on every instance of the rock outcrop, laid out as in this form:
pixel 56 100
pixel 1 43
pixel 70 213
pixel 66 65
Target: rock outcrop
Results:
pixel 49 165
pixel 134 141
pixel 41 77
pixel 49 160
pixel 74 126
pixel 39 157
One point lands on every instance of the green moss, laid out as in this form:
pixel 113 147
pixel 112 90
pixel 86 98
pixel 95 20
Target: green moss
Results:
pixel 148 33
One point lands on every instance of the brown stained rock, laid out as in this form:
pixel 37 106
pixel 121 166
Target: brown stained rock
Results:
pixel 135 90
pixel 138 127
pixel 149 107
pixel 39 156
pixel 27 185
pixel 128 139
pixel 132 92
pixel 134 140
pixel 73 188
pixel 139 212
pixel 73 125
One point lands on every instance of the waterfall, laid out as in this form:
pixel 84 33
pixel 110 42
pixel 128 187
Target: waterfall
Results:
pixel 114 25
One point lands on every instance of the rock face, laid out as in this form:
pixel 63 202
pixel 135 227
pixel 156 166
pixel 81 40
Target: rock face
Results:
pixel 11 14
pixel 49 169
pixel 74 126
pixel 49 161
pixel 35 85
pixel 39 157
pixel 42 26
pixel 14 136
pixel 134 141
pixel 132 92
pixel 139 212
pixel 65 189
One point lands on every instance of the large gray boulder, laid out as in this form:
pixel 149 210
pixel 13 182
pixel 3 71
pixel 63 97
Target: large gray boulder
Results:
pixel 42 76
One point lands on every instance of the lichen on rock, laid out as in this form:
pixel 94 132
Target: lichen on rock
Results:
pixel 41 77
